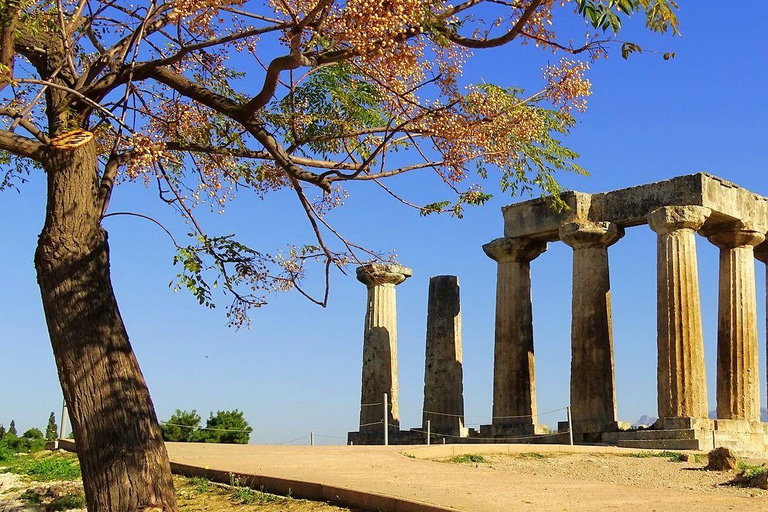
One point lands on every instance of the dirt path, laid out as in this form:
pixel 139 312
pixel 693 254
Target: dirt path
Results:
pixel 587 481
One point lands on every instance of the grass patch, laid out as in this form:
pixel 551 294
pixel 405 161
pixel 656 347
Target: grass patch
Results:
pixel 200 484
pixel 672 456
pixel 409 455
pixel 532 455
pixel 67 502
pixel 43 467
pixel 470 458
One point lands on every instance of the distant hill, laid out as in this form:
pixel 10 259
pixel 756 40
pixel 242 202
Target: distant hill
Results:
pixel 647 421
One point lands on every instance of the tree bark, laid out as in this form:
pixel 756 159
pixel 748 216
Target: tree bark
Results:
pixel 119 442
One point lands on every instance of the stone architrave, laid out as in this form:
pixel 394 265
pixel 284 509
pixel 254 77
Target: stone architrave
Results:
pixel 593 393
pixel 761 253
pixel 682 384
pixel 443 376
pixel 738 380
pixel 380 345
pixel 514 384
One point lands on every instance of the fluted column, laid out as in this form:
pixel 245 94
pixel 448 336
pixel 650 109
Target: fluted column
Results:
pixel 514 383
pixel 761 253
pixel 380 344
pixel 738 380
pixel 443 384
pixel 681 378
pixel 593 393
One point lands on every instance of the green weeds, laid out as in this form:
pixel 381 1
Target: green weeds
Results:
pixel 467 459
pixel 43 467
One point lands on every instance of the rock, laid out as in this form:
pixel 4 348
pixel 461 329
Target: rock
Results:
pixel 687 457
pixel 760 480
pixel 721 459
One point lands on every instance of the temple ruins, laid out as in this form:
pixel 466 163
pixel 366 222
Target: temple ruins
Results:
pixel 732 218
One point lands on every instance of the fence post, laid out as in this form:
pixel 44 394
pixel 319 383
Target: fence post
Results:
pixel 311 439
pixel 386 421
pixel 429 432
pixel 63 429
pixel 570 424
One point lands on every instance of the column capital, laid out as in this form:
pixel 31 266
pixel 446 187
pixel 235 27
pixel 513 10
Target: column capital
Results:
pixel 374 274
pixel 761 252
pixel 731 237
pixel 514 249
pixel 672 218
pixel 581 235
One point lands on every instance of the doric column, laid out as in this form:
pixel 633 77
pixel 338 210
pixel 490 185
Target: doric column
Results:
pixel 443 385
pixel 514 385
pixel 761 253
pixel 682 383
pixel 738 380
pixel 593 394
pixel 380 344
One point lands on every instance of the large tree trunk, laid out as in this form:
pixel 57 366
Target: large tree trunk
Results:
pixel 119 443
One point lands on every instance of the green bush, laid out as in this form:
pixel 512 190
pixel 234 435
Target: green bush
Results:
pixel 28 443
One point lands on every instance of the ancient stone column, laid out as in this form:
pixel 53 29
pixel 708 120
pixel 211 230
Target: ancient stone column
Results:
pixel 681 378
pixel 380 345
pixel 738 381
pixel 761 253
pixel 514 385
pixel 443 384
pixel 593 394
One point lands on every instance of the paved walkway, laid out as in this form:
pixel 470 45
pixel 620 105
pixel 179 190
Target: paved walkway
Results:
pixel 384 470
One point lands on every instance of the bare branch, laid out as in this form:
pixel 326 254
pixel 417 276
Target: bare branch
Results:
pixel 469 42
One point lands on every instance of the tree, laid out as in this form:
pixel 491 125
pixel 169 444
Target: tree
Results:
pixel 225 427
pixel 94 92
pixel 51 430
pixel 12 428
pixel 2 431
pixel 181 426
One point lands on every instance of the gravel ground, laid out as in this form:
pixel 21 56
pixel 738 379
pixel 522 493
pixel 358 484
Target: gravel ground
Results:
pixel 649 472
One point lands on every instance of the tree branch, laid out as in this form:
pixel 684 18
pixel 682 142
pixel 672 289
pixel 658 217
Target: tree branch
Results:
pixel 469 42
pixel 22 146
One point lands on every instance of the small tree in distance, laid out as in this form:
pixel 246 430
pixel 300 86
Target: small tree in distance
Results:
pixel 51 430
pixel 223 427
pixel 182 426
pixel 12 428
pixel 227 427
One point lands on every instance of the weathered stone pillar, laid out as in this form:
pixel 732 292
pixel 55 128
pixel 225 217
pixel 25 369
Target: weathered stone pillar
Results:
pixel 514 384
pixel 380 345
pixel 682 383
pixel 443 385
pixel 761 253
pixel 738 381
pixel 593 394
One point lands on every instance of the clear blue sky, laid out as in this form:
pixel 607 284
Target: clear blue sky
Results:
pixel 299 368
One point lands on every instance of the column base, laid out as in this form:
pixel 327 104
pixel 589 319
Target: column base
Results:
pixel 594 426
pixel 366 437
pixel 681 423
pixel 512 430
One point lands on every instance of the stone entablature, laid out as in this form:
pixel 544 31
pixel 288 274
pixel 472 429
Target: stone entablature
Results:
pixel 629 207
